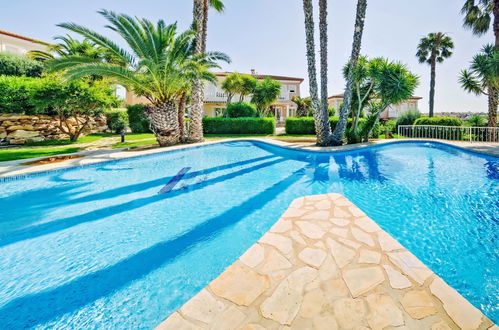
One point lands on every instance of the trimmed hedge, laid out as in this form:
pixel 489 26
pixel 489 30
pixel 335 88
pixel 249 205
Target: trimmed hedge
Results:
pixel 19 65
pixel 117 120
pixel 241 110
pixel 137 121
pixel 217 125
pixel 306 125
pixel 407 118
pixel 439 121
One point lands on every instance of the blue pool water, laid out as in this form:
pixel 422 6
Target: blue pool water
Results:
pixel 98 246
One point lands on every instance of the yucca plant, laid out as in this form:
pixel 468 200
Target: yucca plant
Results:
pixel 159 65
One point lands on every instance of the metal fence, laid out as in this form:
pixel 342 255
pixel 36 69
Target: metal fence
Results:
pixel 455 133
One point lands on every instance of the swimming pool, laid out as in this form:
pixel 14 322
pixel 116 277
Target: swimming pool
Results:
pixel 126 243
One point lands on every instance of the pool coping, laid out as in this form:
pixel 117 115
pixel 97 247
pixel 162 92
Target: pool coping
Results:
pixel 11 170
pixel 325 265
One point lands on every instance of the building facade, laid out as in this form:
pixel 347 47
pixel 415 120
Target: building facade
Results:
pixel 17 44
pixel 392 112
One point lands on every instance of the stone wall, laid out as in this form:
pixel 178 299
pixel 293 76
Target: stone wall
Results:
pixel 21 129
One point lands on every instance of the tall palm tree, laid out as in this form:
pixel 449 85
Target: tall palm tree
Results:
pixel 159 66
pixel 433 49
pixel 483 78
pixel 200 25
pixel 339 130
pixel 478 14
pixel 68 46
pixel 322 126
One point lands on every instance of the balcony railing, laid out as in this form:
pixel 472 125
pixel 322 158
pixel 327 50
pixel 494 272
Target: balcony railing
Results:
pixel 455 133
pixel 222 97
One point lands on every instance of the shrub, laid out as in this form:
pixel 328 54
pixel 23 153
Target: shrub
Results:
pixel 476 121
pixel 407 118
pixel 19 65
pixel 117 120
pixel 219 125
pixel 306 125
pixel 137 121
pixel 241 109
pixel 16 94
pixel 439 121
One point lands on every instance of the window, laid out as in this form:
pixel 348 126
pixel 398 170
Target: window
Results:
pixel 292 88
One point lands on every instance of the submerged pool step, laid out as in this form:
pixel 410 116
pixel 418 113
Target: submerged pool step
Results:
pixel 173 182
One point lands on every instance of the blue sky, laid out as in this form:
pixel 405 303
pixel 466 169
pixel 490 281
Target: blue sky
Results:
pixel 268 35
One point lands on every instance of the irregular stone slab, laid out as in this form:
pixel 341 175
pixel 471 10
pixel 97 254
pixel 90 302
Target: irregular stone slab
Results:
pixel 253 326
pixel 388 243
pixel 335 288
pixel 228 319
pixel 343 201
pixel 459 309
pixel 297 238
pixel 367 224
pixel 328 269
pixel 283 305
pixel 383 312
pixel 325 322
pixel 356 212
pixel 350 313
pixel 297 203
pixel 312 303
pixel 411 265
pixel 318 215
pixel 342 232
pixel 294 213
pixel 341 254
pixel 396 278
pixel 310 230
pixel 340 213
pixel 362 280
pixel 369 257
pixel 312 257
pixel 324 205
pixel 278 241
pixel 175 321
pixel 418 304
pixel 203 307
pixel 363 237
pixel 281 226
pixel 350 243
pixel 340 222
pixel 274 262
pixel 239 285
pixel 254 256
pixel 441 325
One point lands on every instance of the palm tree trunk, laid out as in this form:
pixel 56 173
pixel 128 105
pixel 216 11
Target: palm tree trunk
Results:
pixel 493 95
pixel 181 115
pixel 322 129
pixel 339 131
pixel 496 23
pixel 196 118
pixel 432 84
pixel 164 122
pixel 323 51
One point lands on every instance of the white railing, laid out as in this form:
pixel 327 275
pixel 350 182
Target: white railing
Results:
pixel 455 133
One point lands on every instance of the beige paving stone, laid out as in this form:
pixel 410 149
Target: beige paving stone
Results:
pixel 312 257
pixel 369 257
pixel 253 326
pixel 297 203
pixel 335 288
pixel 324 205
pixel 325 322
pixel 410 265
pixel 294 213
pixel 239 285
pixel 363 237
pixel 459 309
pixel 334 196
pixel 312 304
pixel 315 198
pixel 342 232
pixel 177 322
pixel 362 280
pixel 418 304
pixel 278 241
pixel 297 237
pixel 283 305
pixel 350 313
pixel 281 226
pixel 367 224
pixel 326 225
pixel 228 319
pixel 203 307
pixel 310 230
pixel 383 312
pixel 317 215
pixel 440 325
pixel 341 254
pixel 350 243
pixel 397 279
pixel 343 201
pixel 388 243
pixel 340 222
pixel 320 245
pixel 274 262
pixel 254 256
pixel 339 212
pixel 328 269
pixel 356 212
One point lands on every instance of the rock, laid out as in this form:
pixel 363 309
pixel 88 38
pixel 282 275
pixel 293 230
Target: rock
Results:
pixel 21 127
pixel 228 319
pixel 362 280
pixel 254 256
pixel 274 262
pixel 325 322
pixel 418 304
pixel 362 237
pixel 383 312
pixel 367 224
pixel 280 242
pixel 281 226
pixel 17 141
pixel 312 257
pixel 350 313
pixel 411 265
pixel 369 257
pixel 21 134
pixel 177 322
pixel 203 307
pixel 312 303
pixel 397 280
pixel 310 230
pixel 341 254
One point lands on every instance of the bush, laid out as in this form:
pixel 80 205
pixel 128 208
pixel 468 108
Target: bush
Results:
pixel 219 125
pixel 19 65
pixel 137 121
pixel 16 94
pixel 439 121
pixel 407 118
pixel 306 125
pixel 117 120
pixel 241 109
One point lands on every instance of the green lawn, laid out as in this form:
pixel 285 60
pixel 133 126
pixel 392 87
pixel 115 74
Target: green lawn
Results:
pixel 134 144
pixel 24 153
pixel 83 139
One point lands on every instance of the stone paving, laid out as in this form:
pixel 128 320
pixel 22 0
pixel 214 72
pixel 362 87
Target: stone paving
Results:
pixel 326 265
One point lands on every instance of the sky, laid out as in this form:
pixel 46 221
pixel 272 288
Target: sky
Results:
pixel 268 35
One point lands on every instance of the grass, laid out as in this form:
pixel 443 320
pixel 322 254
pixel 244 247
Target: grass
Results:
pixel 84 139
pixel 134 144
pixel 24 153
pixel 138 136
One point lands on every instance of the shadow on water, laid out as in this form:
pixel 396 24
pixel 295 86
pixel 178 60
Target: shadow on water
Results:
pixel 61 224
pixel 48 305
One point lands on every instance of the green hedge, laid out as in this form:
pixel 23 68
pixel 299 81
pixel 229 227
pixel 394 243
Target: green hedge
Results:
pixel 306 125
pixel 439 121
pixel 238 125
pixel 241 110
pixel 117 120
pixel 137 121
pixel 19 65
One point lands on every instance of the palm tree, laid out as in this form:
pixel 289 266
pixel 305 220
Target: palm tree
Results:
pixel 478 15
pixel 200 25
pixel 68 46
pixel 339 130
pixel 483 78
pixel 433 48
pixel 302 105
pixel 322 126
pixel 160 66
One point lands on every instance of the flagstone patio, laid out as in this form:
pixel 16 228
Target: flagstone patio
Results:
pixel 326 265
